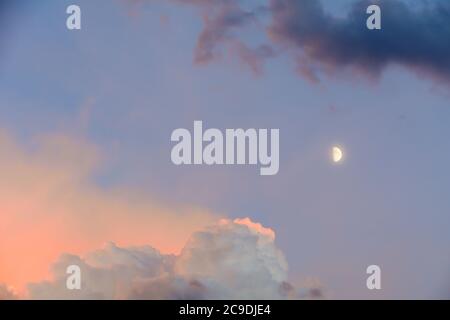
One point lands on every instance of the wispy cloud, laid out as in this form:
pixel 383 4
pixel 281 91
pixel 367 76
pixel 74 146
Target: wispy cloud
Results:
pixel 414 36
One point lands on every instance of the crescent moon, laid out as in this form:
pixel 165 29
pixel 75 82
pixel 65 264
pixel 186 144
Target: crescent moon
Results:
pixel 337 154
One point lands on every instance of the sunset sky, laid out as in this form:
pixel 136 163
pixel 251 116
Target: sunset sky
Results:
pixel 86 118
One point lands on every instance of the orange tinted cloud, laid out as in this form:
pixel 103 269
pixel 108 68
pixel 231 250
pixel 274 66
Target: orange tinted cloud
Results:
pixel 49 205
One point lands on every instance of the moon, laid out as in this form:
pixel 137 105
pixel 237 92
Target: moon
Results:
pixel 337 154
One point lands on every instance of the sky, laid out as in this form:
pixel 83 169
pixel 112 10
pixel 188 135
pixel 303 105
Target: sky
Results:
pixel 86 118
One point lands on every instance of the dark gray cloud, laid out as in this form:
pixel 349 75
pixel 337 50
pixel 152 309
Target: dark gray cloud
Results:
pixel 416 36
pixel 219 22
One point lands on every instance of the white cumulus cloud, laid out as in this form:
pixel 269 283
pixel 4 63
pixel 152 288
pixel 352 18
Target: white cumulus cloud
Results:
pixel 230 260
pixel 6 293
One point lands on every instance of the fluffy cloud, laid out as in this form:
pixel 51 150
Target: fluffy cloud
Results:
pixel 220 18
pixel 6 293
pixel 50 203
pixel 230 260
